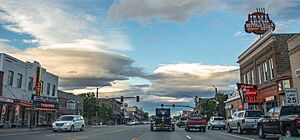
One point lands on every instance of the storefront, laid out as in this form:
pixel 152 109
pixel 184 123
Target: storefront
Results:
pixel 45 111
pixel 7 112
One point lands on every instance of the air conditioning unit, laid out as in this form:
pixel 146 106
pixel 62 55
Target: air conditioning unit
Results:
pixel 298 72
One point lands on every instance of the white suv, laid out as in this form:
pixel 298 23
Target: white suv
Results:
pixel 69 123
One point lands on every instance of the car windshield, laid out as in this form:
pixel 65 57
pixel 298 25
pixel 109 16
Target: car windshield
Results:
pixel 163 112
pixel 66 118
pixel 290 110
pixel 218 119
pixel 254 114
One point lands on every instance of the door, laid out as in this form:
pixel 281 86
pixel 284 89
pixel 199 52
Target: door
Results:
pixel 275 123
pixel 267 120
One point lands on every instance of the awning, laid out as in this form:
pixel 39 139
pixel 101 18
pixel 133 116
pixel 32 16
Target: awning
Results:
pixel 23 103
pixel 5 100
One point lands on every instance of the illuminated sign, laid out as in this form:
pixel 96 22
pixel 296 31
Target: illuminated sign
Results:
pixel 259 22
pixel 38 83
pixel 254 99
pixel 45 105
pixel 247 89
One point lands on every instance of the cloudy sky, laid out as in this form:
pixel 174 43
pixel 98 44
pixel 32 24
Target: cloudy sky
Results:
pixel 165 51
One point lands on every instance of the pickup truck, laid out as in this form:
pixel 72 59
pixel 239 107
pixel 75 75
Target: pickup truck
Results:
pixel 196 121
pixel 245 120
pixel 283 120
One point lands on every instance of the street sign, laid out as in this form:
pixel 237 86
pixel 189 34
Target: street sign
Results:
pixel 291 96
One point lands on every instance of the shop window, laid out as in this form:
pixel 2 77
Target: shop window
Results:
pixel 271 67
pixel 259 74
pixel 10 77
pixel 30 84
pixel 19 80
pixel 48 88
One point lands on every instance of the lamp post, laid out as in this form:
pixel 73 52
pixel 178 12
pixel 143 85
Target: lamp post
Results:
pixel 107 84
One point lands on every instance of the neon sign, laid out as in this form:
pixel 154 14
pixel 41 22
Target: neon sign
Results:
pixel 259 22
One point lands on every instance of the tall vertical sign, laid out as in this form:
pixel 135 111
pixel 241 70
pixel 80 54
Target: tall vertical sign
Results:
pixel 38 83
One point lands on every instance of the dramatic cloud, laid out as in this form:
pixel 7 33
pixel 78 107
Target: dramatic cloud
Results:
pixel 181 10
pixel 166 10
pixel 50 23
pixel 192 79
pixel 71 45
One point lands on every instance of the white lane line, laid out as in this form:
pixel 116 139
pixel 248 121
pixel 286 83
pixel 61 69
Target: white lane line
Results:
pixel 15 134
pixel 234 135
pixel 54 134
pixel 189 137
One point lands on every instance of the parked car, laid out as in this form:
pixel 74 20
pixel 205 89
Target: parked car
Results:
pixel 69 123
pixel 181 122
pixel 283 120
pixel 216 122
pixel 196 121
pixel 132 122
pixel 245 120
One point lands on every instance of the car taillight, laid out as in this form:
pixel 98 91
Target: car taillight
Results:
pixel 298 121
pixel 243 121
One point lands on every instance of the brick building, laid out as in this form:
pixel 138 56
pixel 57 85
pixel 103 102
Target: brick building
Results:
pixel 266 64
pixel 294 53
pixel 233 103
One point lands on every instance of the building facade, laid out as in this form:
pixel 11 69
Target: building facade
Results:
pixel 69 104
pixel 115 117
pixel 18 84
pixel 294 54
pixel 233 104
pixel 266 65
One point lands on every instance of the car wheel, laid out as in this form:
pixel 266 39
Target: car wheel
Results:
pixel 220 128
pixel 261 133
pixel 229 130
pixel 240 130
pixel 188 129
pixel 289 132
pixel 82 128
pixel 151 128
pixel 72 128
pixel 224 128
pixel 54 130
pixel 204 129
pixel 173 129
pixel 212 127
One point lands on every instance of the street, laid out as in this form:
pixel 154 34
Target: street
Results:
pixel 138 132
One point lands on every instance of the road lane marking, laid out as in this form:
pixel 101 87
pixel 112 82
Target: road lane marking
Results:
pixel 234 135
pixel 138 138
pixel 15 134
pixel 189 137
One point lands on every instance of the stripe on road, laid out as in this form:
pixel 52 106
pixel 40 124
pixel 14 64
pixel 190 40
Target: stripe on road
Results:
pixel 188 137
pixel 233 135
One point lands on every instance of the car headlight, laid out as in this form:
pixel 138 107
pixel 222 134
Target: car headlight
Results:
pixel 53 124
pixel 67 123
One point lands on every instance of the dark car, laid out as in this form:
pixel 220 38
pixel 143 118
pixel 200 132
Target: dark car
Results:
pixel 162 120
pixel 283 120
pixel 181 122
pixel 196 121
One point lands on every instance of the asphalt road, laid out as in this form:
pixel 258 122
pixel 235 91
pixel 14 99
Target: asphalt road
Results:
pixel 140 132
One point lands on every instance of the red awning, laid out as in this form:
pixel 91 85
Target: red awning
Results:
pixel 22 102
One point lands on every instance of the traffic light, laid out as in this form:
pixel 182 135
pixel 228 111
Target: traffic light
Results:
pixel 137 98
pixel 122 99
pixel 162 105
pixel 173 106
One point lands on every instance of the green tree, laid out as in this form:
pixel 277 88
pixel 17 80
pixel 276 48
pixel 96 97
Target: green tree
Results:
pixel 215 106
pixel 89 105
pixel 104 111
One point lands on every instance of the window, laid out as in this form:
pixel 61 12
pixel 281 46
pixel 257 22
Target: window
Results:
pixel 286 84
pixel 53 90
pixel 259 74
pixel 279 86
pixel 265 71
pixel 241 114
pixel 10 78
pixel 271 67
pixel 253 79
pixel 248 78
pixel 245 79
pixel 30 84
pixel 48 88
pixel 19 80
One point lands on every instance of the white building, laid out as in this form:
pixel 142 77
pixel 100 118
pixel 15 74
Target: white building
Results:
pixel 18 83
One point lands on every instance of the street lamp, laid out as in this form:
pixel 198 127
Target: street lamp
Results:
pixel 107 84
pixel 216 90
